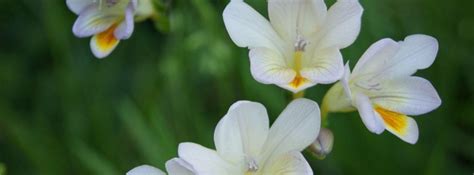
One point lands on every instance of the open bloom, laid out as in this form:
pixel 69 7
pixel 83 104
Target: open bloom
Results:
pixel 383 90
pixel 299 46
pixel 246 145
pixel 174 166
pixel 107 21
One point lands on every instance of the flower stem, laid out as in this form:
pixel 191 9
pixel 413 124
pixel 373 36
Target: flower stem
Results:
pixel 299 94
pixel 324 113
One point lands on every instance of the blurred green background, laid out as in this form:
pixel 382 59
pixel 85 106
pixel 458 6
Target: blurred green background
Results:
pixel 62 111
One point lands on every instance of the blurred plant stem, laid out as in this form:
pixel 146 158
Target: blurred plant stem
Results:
pixel 3 169
pixel 299 94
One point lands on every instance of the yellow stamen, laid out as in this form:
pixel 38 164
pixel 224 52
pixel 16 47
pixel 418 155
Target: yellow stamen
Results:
pixel 396 121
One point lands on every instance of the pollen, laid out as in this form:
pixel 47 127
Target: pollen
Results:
pixel 396 121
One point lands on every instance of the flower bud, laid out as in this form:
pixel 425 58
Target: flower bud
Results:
pixel 322 146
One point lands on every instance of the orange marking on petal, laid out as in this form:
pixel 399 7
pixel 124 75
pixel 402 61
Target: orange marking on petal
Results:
pixel 396 121
pixel 298 81
pixel 106 40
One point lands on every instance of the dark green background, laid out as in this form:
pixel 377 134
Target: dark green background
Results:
pixel 62 111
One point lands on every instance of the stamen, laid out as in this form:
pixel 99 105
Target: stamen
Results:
pixel 252 165
pixel 300 44
pixel 371 86
pixel 107 3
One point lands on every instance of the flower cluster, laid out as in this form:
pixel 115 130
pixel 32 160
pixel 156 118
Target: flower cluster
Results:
pixel 297 48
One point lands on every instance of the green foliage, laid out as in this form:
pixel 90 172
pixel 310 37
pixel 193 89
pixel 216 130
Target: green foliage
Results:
pixel 64 112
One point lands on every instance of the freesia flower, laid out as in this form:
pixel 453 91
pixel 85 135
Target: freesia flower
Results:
pixel 299 46
pixel 174 166
pixel 246 145
pixel 383 89
pixel 107 21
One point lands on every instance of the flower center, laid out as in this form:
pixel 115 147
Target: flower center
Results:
pixel 252 165
pixel 107 3
pixel 300 46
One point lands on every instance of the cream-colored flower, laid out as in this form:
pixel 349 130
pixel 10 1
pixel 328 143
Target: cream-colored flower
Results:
pixel 299 46
pixel 383 89
pixel 107 21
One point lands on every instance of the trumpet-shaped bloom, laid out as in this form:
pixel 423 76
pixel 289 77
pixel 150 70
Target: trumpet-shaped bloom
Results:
pixel 246 145
pixel 299 46
pixel 383 90
pixel 107 21
pixel 174 166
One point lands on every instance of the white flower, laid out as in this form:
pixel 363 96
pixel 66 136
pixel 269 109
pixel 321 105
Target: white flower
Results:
pixel 246 145
pixel 108 21
pixel 174 166
pixel 299 46
pixel 383 90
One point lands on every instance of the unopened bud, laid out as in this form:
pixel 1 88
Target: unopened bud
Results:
pixel 322 146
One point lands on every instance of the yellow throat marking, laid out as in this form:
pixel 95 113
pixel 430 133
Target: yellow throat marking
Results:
pixel 298 80
pixel 396 121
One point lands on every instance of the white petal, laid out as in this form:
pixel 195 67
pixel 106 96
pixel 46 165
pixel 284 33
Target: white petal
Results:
pixel 374 58
pixel 77 6
pixel 247 28
pixel 294 130
pixel 204 160
pixel 292 163
pixel 177 166
pixel 125 29
pixel 342 24
pixel 398 124
pixel 242 131
pixel 410 96
pixel 293 17
pixel 389 59
pixel 324 67
pixel 269 67
pixel 367 114
pixel 345 81
pixel 92 21
pixel 145 170
pixel 104 43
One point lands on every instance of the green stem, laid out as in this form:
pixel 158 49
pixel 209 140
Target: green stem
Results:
pixel 297 95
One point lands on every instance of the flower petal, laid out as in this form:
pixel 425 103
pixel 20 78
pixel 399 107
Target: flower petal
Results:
pixel 410 95
pixel 368 115
pixel 342 25
pixel 294 130
pixel 324 67
pixel 291 163
pixel 390 59
pixel 145 170
pixel 92 21
pixel 104 43
pixel 293 17
pixel 125 29
pixel 177 166
pixel 204 160
pixel 242 131
pixel 401 125
pixel 372 60
pixel 247 28
pixel 345 81
pixel 77 6
pixel 269 67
